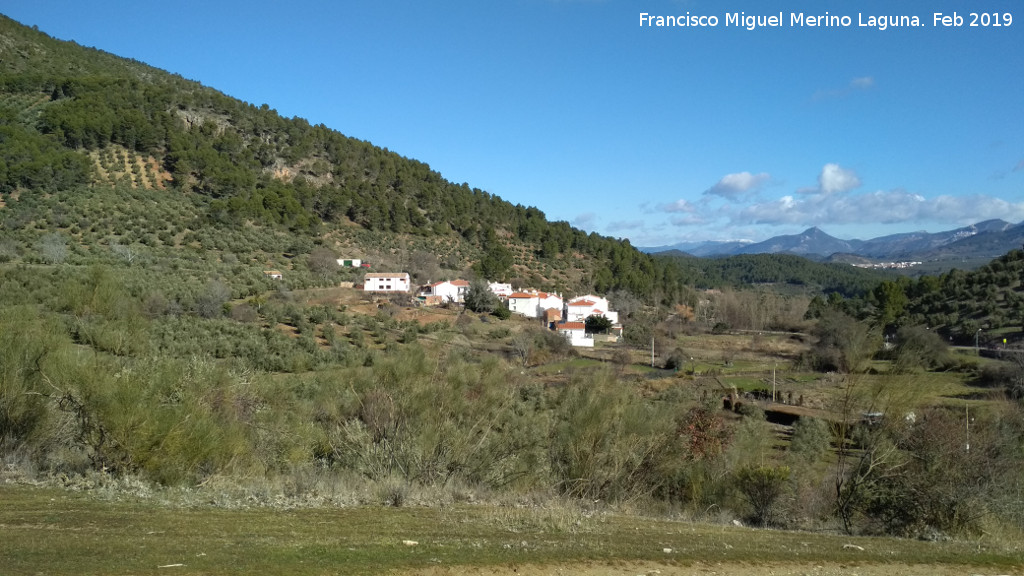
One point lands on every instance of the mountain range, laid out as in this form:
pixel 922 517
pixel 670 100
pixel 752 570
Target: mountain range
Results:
pixel 984 240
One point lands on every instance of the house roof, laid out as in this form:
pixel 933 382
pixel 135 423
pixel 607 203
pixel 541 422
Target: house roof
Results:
pixel 452 282
pixel 402 275
pixel 582 303
pixel 521 295
pixel 571 326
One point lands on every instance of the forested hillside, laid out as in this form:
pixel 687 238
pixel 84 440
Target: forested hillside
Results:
pixel 66 110
pixel 783 270
pixel 983 306
pixel 77 119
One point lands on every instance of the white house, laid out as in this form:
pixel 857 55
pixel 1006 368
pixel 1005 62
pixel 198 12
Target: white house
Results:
pixel 532 304
pixel 500 289
pixel 575 333
pixel 349 262
pixel 447 291
pixel 582 307
pixel 524 303
pixel 386 282
pixel 549 301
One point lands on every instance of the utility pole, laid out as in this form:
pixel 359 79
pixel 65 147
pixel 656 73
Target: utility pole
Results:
pixel 773 381
pixel 652 351
pixel 967 414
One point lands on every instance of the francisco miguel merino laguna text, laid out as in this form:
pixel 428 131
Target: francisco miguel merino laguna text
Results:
pixel 796 19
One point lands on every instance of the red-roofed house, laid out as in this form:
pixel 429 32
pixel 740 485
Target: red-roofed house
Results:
pixel 575 333
pixel 532 304
pixel 582 307
pixel 524 303
pixel 446 291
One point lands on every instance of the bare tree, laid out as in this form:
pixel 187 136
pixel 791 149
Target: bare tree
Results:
pixel 125 252
pixel 210 301
pixel 423 267
pixel 522 345
pixel 322 261
pixel 53 248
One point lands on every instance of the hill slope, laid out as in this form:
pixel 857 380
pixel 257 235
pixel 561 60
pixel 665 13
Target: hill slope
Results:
pixel 79 125
pixel 77 118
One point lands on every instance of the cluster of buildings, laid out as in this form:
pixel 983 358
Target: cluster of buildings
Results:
pixel 887 265
pixel 567 317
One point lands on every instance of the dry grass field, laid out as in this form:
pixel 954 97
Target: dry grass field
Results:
pixel 54 532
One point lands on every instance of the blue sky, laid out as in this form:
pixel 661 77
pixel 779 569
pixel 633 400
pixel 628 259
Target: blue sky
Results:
pixel 656 134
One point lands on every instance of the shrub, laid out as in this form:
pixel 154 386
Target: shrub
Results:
pixel 393 492
pixel 676 360
pixel 841 343
pixel 811 438
pixel 608 443
pixel 243 313
pixel 761 487
pixel 919 348
pixel 502 312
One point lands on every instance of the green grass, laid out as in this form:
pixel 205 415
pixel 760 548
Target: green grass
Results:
pixel 47 531
pixel 572 363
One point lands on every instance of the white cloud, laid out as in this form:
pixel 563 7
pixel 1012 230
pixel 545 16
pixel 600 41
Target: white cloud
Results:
pixel 880 207
pixel 737 185
pixel 620 225
pixel 585 220
pixel 681 205
pixel 862 83
pixel 857 84
pixel 834 178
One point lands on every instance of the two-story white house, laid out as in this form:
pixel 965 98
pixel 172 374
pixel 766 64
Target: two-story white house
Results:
pixel 386 282
pixel 582 307
pixel 533 304
pixel 524 303
pixel 446 291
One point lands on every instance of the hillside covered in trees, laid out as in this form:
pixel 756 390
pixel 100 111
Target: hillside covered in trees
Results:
pixel 983 306
pixel 66 109
pixel 74 120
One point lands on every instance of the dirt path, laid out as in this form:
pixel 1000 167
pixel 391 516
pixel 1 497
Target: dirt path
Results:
pixel 701 569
